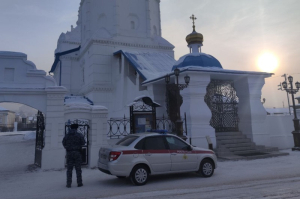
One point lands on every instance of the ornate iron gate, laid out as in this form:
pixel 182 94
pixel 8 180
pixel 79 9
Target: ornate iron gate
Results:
pixel 146 112
pixel 83 128
pixel 39 141
pixel 222 100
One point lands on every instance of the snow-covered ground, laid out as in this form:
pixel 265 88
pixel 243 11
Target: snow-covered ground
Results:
pixel 265 178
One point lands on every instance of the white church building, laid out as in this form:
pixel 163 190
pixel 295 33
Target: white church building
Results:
pixel 113 66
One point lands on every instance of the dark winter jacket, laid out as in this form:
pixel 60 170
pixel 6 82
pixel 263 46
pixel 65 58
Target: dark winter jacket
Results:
pixel 73 141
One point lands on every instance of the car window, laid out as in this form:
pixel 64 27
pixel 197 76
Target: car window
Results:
pixel 140 144
pixel 126 141
pixel 176 144
pixel 155 143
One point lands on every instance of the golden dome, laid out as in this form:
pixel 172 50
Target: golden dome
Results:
pixel 194 38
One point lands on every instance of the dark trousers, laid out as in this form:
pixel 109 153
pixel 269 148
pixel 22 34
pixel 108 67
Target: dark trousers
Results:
pixel 74 160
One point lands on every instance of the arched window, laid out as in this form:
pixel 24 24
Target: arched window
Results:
pixel 154 30
pixel 132 25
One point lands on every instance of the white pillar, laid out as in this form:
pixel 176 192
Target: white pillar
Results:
pixel 15 126
pixel 53 153
pixel 251 112
pixel 99 131
pixel 197 111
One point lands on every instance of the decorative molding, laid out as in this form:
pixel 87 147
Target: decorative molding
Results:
pixel 94 88
pixel 118 43
pixel 70 57
pixel 70 42
pixel 56 96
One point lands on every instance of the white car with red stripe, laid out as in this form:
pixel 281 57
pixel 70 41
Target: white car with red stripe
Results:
pixel 139 155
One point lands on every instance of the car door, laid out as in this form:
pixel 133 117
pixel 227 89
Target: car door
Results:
pixel 182 158
pixel 157 154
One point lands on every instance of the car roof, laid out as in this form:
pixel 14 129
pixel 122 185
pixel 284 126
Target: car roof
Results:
pixel 146 134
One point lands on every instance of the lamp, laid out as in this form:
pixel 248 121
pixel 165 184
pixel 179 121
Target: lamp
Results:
pixel 176 88
pixel 284 84
pixel 176 72
pixel 187 79
pixel 292 91
pixel 167 78
pixel 297 85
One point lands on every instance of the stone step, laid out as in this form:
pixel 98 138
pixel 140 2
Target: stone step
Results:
pixel 230 145
pixel 236 157
pixel 247 148
pixel 269 155
pixel 223 154
pixel 245 152
pixel 231 137
pixel 254 151
pixel 234 141
pixel 269 149
pixel 228 133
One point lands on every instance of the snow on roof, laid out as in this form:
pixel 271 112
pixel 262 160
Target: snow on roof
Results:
pixel 3 109
pixel 78 99
pixel 197 59
pixel 149 64
pixel 209 70
pixel 12 54
pixel 144 97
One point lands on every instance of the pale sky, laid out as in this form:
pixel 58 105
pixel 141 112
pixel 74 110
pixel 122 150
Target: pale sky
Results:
pixel 236 32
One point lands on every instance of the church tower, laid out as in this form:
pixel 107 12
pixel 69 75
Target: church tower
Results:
pixel 130 20
pixel 106 30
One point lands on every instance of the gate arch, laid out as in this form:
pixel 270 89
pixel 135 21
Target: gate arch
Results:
pixel 21 82
pixel 223 102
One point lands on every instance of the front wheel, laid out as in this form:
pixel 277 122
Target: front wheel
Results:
pixel 206 168
pixel 139 175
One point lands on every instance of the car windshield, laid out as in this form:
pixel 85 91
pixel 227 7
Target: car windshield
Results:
pixel 126 141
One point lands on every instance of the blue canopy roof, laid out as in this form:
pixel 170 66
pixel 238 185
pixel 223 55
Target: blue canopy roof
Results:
pixel 197 59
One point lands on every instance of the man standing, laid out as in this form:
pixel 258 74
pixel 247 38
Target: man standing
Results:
pixel 73 143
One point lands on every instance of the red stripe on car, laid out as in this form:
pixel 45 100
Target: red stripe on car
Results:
pixel 165 151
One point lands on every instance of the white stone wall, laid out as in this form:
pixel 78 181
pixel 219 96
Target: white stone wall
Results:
pixel 251 112
pixel 197 111
pixel 280 130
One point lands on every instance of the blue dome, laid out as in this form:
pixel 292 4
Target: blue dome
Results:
pixel 197 59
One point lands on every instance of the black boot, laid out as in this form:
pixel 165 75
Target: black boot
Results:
pixel 80 185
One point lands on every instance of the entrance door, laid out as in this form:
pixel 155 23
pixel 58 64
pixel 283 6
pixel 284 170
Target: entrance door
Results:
pixel 222 100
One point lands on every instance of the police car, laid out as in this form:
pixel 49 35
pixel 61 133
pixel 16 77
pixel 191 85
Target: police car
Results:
pixel 140 155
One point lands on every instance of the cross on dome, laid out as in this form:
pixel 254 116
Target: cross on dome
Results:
pixel 193 18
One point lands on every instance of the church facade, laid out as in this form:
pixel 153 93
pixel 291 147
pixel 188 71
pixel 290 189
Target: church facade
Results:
pixel 115 58
pixel 119 54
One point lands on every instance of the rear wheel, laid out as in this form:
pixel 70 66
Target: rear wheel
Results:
pixel 206 168
pixel 139 175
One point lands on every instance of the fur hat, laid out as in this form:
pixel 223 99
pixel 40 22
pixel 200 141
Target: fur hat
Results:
pixel 74 126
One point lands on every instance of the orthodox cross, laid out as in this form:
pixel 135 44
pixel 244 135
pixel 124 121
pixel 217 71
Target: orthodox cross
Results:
pixel 193 18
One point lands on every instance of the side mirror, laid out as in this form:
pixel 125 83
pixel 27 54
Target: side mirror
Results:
pixel 190 148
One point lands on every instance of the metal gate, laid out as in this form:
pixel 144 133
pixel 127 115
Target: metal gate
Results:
pixel 39 141
pixel 83 128
pixel 222 100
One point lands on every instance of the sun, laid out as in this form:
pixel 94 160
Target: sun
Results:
pixel 267 62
